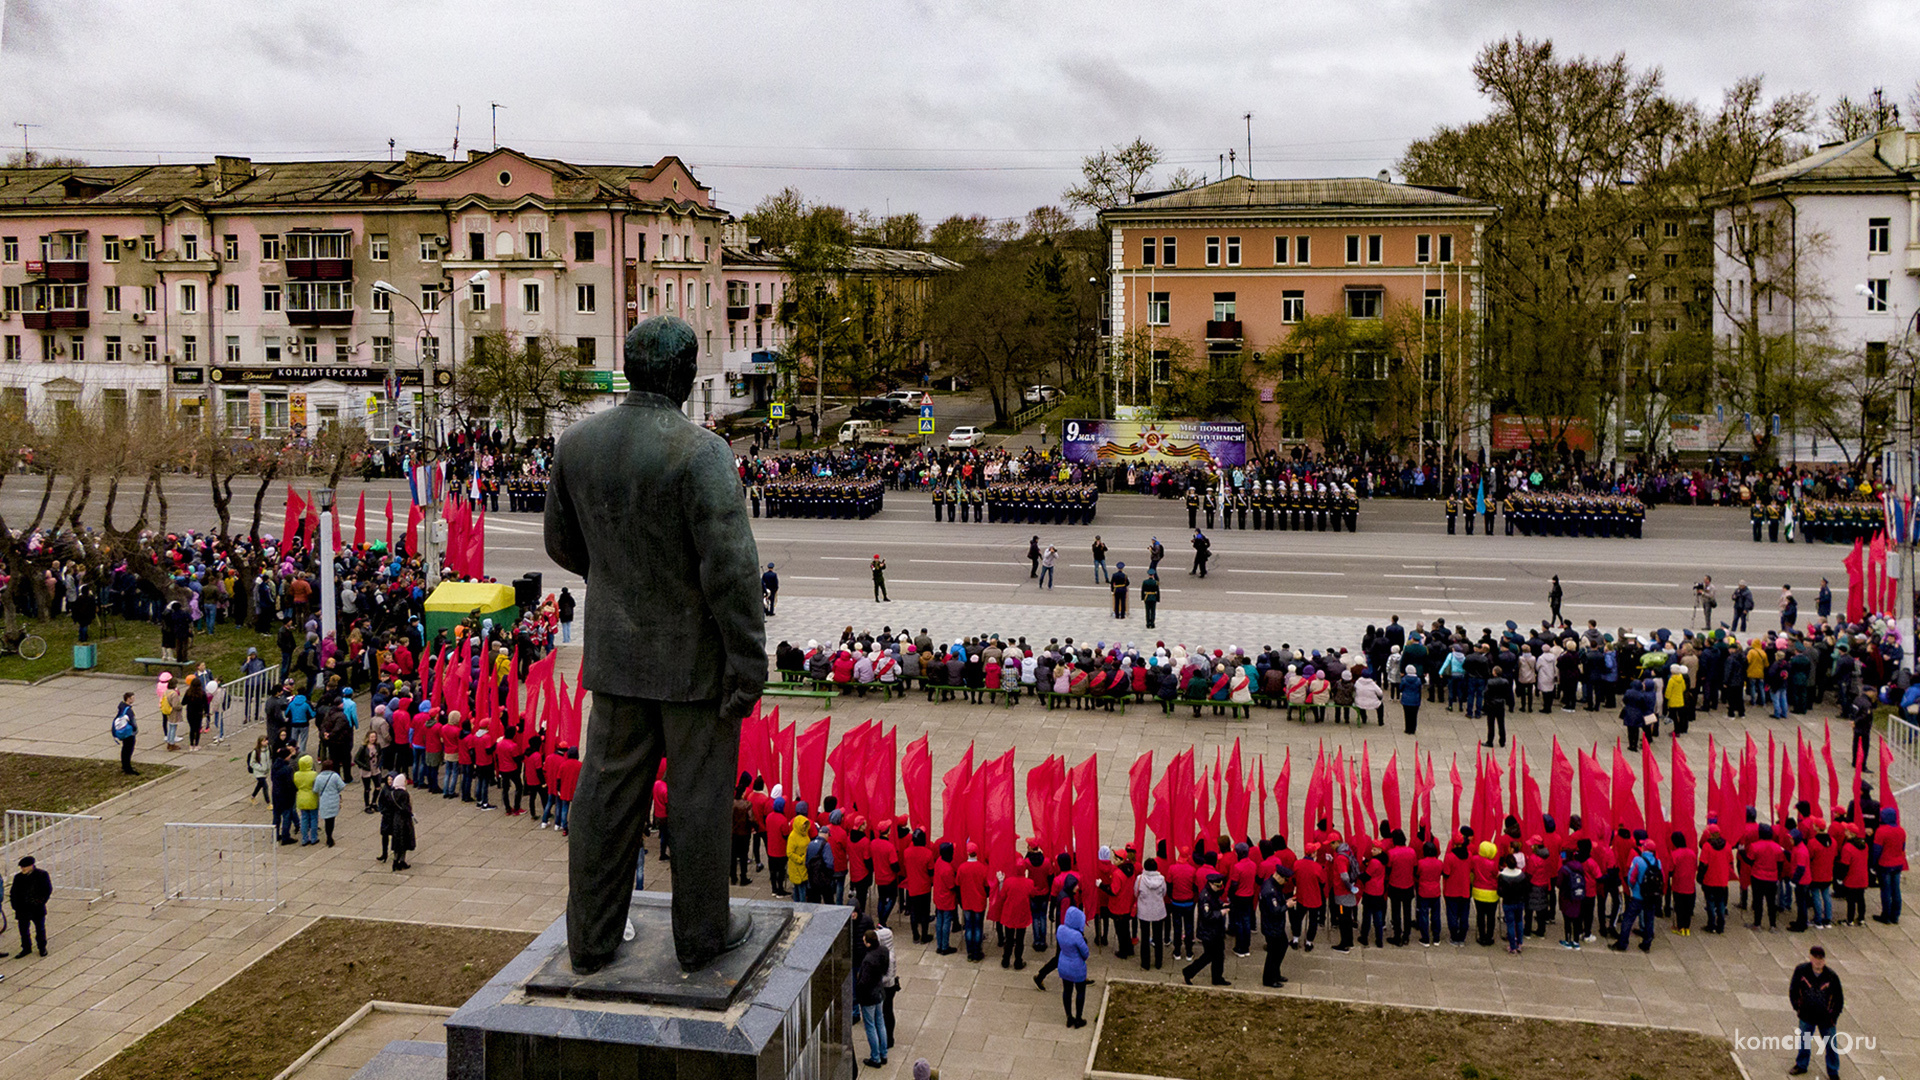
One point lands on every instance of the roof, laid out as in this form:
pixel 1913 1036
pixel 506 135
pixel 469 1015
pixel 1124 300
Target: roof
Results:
pixel 1245 193
pixel 860 260
pixel 1879 156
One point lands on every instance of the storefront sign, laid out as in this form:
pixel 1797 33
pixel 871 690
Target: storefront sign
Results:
pixel 1511 432
pixel 306 373
pixel 189 376
pixel 297 411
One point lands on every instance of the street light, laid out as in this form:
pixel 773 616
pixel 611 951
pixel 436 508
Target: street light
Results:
pixel 1620 405
pixel 327 596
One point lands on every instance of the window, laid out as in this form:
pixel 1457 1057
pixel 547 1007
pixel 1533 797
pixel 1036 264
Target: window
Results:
pixel 530 296
pixel 189 246
pixel 1148 246
pixel 59 297
pixel 1609 294
pixel 149 298
pixel 1293 305
pixel 1363 303
pixel 10 298
pixel 583 299
pixel 269 298
pixel 536 243
pixel 189 296
pixel 1669 293
pixel 1446 247
pixel 477 296
pixel 668 306
pixel 707 293
pixel 476 246
pixel 1233 251
pixel 319 296
pixel 1670 260
pixel 1302 249
pixel 109 249
pixel 13 350
pixel 1213 251
pixel 77 349
pixel 1223 307
pixel 1291 365
pixel 1879 236
pixel 1292 429
pixel 1366 364
pixel 1876 359
pixel 1876 294
pixel 586 350
pixel 1353 249
pixel 1375 245
pixel 1423 248
pixel 382 300
pixel 1636 292
pixel 232 297
pixel 1167 250
pixel 382 350
pixel 1638 326
pixel 429 349
pixel 1670 324
pixel 1639 230
pixel 1636 262
pixel 377 248
pixel 114 354
pixel 149 248
pixel 1162 363
pixel 429 298
pixel 270 247
pixel 640 247
pixel 706 253
pixel 1159 309
pixel 10 252
pixel 342 349
pixel 429 249
pixel 319 245
pixel 1431 367
pixel 230 247
pixel 583 245
pixel 1434 305
pixel 189 349
pixel 1670 229
pixel 150 349
pixel 1280 250
pixel 308 348
pixel 233 348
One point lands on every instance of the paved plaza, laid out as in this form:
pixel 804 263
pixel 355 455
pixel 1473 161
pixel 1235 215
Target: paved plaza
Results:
pixel 126 963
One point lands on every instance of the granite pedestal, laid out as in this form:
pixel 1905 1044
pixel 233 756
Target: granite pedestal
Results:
pixel 782 1008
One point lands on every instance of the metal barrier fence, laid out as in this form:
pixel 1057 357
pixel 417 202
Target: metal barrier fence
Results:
pixel 66 846
pixel 207 861
pixel 252 691
pixel 1904 737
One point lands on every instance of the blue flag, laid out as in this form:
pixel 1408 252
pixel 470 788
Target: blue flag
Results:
pixel 1480 500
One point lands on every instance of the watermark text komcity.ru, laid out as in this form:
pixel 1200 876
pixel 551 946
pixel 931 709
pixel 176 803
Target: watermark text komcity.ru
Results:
pixel 1844 1042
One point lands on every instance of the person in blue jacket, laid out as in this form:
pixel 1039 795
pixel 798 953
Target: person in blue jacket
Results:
pixel 1410 697
pixel 1070 945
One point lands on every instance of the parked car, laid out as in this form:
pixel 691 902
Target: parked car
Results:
pixel 965 436
pixel 1034 395
pixel 858 432
pixel 878 408
pixel 908 399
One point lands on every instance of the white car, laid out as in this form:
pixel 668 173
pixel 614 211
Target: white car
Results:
pixel 965 436
pixel 1034 395
pixel 908 398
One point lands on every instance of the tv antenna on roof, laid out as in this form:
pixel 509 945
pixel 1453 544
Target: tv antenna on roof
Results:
pixel 26 151
pixel 496 106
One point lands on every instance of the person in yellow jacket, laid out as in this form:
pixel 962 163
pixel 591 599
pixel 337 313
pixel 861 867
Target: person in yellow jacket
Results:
pixel 1679 705
pixel 1756 672
pixel 798 833
pixel 1484 871
pixel 306 801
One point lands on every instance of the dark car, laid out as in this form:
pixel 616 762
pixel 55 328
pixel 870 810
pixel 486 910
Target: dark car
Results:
pixel 877 408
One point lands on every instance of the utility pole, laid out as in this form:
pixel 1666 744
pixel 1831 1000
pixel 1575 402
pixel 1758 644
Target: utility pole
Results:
pixel 1249 119
pixel 1903 492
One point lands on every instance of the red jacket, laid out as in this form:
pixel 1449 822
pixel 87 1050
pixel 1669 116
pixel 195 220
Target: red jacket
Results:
pixel 1683 864
pixel 1402 862
pixel 1718 863
pixel 1820 852
pixel 946 887
pixel 837 844
pixel 480 746
pixel 1376 883
pixel 1119 900
pixel 1459 876
pixel 1429 873
pixel 506 755
pixel 974 881
pixel 660 798
pixel 1309 883
pixel 1893 846
pixel 530 769
pixel 885 858
pixel 1180 882
pixel 1016 913
pixel 569 778
pixel 919 869
pixel 1764 857
pixel 1244 881
pixel 776 830
pixel 1854 858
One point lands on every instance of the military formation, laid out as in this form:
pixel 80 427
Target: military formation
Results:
pixel 1031 503
pixel 1301 507
pixel 1828 521
pixel 526 494
pixel 822 497
pixel 1543 513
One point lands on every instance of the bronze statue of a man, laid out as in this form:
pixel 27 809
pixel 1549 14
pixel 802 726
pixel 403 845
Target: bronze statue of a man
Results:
pixel 646 506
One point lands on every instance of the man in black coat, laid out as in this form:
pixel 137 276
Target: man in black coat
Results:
pixel 646 506
pixel 1817 1000
pixel 31 890
pixel 1276 896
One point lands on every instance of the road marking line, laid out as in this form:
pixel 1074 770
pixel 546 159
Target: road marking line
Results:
pixel 1299 573
pixel 1298 595
pixel 1449 577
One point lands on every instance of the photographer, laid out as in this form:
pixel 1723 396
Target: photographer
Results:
pixel 1703 596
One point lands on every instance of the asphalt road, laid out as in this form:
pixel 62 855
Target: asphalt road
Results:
pixel 1400 562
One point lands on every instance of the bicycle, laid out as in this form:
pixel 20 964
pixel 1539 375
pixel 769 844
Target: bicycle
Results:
pixel 24 645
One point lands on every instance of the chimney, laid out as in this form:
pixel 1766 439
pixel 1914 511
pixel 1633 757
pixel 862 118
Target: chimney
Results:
pixel 418 158
pixel 230 173
pixel 476 155
pixel 1385 177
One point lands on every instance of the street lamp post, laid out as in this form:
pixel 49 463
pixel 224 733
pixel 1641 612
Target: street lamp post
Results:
pixel 1620 403
pixel 328 597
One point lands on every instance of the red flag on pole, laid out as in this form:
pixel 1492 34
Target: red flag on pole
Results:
pixel 311 530
pixel 360 522
pixel 1595 813
pixel 477 547
pixel 1656 815
pixel 1626 809
pixel 1855 562
pixel 1216 823
pixel 1139 787
pixel 1877 574
pixel 1390 787
pixel 1888 800
pixel 1203 807
pixel 1453 773
pixel 1182 820
pixel 1260 792
pixel 787 739
pixel 413 535
pixel 1160 818
pixel 1749 781
pixel 1684 785
pixel 1560 788
pixel 1283 798
pixel 1040 790
pixel 1238 802
pixel 296 517
pixel 1809 774
pixel 996 803
pixel 953 804
pixel 1783 809
pixel 1530 804
pixel 1833 775
pixel 1086 812
pixel 916 776
pixel 883 758
pixel 389 524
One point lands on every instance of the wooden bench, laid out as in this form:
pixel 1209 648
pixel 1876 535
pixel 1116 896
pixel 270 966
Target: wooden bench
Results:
pixel 1234 708
pixel 151 662
pixel 795 690
pixel 1051 699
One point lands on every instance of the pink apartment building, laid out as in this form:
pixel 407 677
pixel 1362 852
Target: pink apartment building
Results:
pixel 246 292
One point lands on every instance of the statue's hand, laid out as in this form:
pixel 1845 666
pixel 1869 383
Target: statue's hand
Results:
pixel 738 699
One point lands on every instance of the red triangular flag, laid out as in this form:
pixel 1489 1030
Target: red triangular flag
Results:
pixel 389 524
pixel 360 522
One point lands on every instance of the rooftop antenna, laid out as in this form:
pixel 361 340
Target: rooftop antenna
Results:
pixel 1249 119
pixel 1221 172
pixel 496 106
pixel 1232 162
pixel 389 149
pixel 456 131
pixel 26 151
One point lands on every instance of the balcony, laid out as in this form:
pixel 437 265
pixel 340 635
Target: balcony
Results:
pixel 58 269
pixel 54 320
pixel 736 312
pixel 763 311
pixel 321 317
pixel 320 269
pixel 1224 330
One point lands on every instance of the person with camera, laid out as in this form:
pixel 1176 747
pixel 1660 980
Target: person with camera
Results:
pixel 1706 599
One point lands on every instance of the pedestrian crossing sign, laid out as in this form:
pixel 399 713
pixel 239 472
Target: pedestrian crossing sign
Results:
pixel 777 411
pixel 926 425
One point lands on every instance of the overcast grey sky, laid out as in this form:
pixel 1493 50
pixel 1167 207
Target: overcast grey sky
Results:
pixel 938 108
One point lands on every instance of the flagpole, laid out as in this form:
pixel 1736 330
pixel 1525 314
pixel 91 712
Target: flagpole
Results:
pixel 1903 488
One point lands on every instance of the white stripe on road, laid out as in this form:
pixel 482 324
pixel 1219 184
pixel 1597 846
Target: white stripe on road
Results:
pixel 1298 573
pixel 1640 584
pixel 797 577
pixel 1475 600
pixel 1449 577
pixel 1294 595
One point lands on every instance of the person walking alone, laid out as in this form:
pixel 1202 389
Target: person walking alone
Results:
pixel 1817 999
pixel 566 607
pixel 1099 560
pixel 1033 557
pixel 1554 596
pixel 769 588
pixel 31 890
pixel 1202 551
pixel 879 567
pixel 125 729
pixel 1047 559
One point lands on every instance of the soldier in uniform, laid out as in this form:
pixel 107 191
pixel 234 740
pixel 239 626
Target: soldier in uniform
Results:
pixel 753 493
pixel 1211 497
pixel 1493 507
pixel 1353 509
pixel 1240 504
pixel 1453 512
pixel 1756 514
pixel 1193 508
pixel 1773 523
pixel 979 505
pixel 939 496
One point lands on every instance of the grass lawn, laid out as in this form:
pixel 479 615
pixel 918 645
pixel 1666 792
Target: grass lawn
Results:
pixel 65 785
pixel 123 639
pixel 256 1023
pixel 1196 1034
